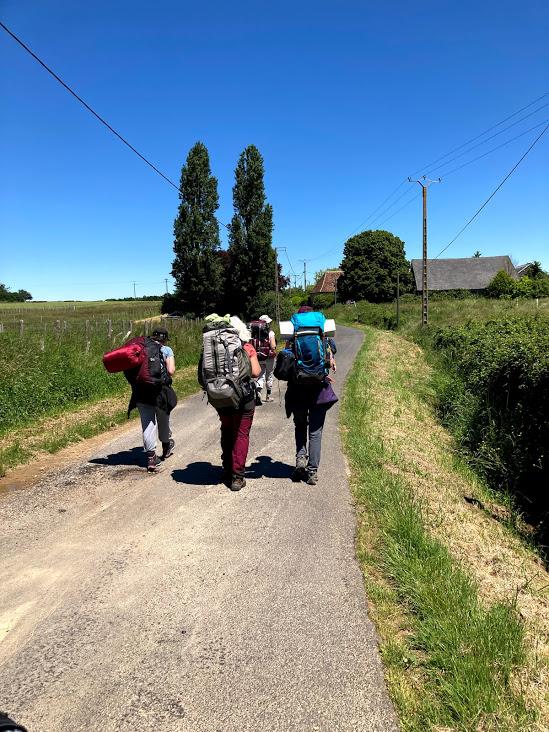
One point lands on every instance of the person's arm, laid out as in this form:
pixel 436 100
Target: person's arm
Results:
pixel 256 368
pixel 272 341
pixel 170 365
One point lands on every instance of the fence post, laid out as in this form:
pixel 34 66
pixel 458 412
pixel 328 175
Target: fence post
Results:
pixel 87 346
pixel 1 327
pixel 21 327
pixel 41 344
pixel 109 328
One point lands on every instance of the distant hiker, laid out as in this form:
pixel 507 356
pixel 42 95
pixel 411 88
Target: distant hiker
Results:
pixel 148 365
pixel 264 341
pixel 309 394
pixel 227 365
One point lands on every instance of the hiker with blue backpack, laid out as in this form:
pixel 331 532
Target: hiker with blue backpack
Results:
pixel 228 364
pixel 305 364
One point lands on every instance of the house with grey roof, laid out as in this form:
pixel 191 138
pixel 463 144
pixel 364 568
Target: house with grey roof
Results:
pixel 466 273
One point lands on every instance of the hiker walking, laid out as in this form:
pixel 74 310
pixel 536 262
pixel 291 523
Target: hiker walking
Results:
pixel 227 365
pixel 264 341
pixel 309 394
pixel 156 399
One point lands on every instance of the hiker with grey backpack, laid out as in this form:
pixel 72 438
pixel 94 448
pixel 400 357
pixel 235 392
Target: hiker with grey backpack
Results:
pixel 228 364
pixel 305 364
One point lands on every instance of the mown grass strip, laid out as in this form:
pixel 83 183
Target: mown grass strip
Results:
pixel 450 660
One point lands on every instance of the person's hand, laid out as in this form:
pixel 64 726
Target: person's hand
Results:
pixel 330 379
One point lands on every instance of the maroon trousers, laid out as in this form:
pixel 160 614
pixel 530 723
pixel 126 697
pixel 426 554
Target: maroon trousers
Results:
pixel 235 440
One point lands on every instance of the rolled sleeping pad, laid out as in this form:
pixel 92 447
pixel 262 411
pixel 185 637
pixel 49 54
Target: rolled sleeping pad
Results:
pixel 287 329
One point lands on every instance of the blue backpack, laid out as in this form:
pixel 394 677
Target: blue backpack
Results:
pixel 311 355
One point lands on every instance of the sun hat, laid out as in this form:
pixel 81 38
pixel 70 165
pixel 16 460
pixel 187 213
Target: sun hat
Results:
pixel 266 319
pixel 241 328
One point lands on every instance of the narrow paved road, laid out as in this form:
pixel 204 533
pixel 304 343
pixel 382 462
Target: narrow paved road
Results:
pixel 139 603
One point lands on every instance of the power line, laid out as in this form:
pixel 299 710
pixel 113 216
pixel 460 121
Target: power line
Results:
pixel 481 134
pixel 498 147
pixel 509 174
pixel 483 142
pixel 87 106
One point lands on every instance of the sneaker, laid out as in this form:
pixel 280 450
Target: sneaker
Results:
pixel 300 472
pixel 258 402
pixel 269 398
pixel 312 477
pixel 153 462
pixel 167 449
pixel 237 483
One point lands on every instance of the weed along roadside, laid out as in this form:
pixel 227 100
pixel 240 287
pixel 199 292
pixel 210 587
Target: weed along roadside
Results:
pixel 459 601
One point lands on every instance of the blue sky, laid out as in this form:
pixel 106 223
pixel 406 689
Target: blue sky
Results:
pixel 344 100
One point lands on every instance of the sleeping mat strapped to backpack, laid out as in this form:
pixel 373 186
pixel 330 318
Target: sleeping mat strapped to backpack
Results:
pixel 141 360
pixel 312 362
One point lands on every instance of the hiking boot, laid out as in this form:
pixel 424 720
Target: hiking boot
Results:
pixel 300 472
pixel 153 461
pixel 237 483
pixel 167 449
pixel 312 477
pixel 269 398
pixel 258 402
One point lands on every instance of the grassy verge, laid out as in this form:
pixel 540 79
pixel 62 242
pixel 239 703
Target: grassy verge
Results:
pixel 456 649
pixel 52 434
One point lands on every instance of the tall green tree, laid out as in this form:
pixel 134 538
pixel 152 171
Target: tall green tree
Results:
pixel 371 262
pixel 197 267
pixel 251 256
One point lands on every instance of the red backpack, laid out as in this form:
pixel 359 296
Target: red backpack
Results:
pixel 260 339
pixel 140 359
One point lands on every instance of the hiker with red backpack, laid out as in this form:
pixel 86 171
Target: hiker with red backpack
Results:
pixel 305 364
pixel 264 341
pixel 148 365
pixel 228 364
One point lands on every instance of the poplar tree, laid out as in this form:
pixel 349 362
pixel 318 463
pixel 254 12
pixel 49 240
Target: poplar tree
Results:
pixel 197 267
pixel 251 269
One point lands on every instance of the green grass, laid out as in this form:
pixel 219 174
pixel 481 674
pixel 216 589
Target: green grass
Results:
pixel 451 663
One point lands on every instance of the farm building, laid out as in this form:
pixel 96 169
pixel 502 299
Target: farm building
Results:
pixel 467 273
pixel 328 282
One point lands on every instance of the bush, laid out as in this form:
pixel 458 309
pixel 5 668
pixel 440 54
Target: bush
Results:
pixel 497 404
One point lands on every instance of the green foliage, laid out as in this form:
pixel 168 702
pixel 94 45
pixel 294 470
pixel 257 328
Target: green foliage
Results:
pixel 322 300
pixel 371 262
pixel 197 268
pixel 251 255
pixel 502 285
pixel 534 285
pixel 497 403
pixel 7 296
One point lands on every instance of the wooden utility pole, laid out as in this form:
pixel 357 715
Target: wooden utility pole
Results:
pixel 424 182
pixel 398 299
pixel 277 294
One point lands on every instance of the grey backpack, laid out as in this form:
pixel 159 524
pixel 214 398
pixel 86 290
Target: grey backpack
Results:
pixel 225 372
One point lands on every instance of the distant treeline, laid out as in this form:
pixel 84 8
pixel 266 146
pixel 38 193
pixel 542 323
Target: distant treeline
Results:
pixel 7 296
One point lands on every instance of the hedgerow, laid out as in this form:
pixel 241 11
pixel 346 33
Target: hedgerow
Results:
pixel 496 402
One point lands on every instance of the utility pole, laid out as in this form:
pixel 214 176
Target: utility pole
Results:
pixel 304 273
pixel 277 296
pixel 166 281
pixel 398 300
pixel 424 182
pixel 134 295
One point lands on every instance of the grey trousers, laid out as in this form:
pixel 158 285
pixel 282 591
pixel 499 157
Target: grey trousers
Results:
pixel 155 424
pixel 266 376
pixel 313 419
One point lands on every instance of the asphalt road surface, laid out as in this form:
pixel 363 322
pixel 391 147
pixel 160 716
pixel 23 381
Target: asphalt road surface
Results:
pixel 165 603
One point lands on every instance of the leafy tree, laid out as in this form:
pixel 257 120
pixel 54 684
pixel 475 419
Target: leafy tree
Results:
pixel 251 255
pixel 502 285
pixel 6 295
pixel 371 262
pixel 197 267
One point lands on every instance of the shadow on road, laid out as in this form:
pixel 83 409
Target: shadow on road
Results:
pixel 135 456
pixel 265 467
pixel 199 473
